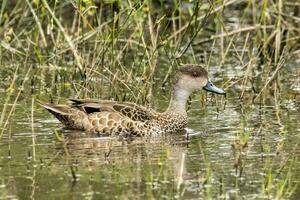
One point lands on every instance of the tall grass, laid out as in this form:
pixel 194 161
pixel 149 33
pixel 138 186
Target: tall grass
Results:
pixel 127 43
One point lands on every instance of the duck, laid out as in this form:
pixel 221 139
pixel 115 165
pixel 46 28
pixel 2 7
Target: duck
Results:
pixel 113 118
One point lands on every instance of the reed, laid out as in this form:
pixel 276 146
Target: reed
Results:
pixel 86 35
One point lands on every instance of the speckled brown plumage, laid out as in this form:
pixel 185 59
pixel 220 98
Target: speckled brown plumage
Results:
pixel 125 118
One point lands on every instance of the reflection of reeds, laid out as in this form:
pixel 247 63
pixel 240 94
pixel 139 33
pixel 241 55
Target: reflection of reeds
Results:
pixel 32 130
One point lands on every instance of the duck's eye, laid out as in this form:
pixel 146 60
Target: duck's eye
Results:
pixel 195 74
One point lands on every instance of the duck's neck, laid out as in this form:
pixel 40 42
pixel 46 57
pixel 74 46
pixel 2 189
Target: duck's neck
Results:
pixel 178 101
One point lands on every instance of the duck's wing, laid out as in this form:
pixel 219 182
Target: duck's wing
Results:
pixel 71 117
pixel 131 110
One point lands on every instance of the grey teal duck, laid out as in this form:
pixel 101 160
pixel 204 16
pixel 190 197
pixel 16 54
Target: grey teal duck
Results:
pixel 105 117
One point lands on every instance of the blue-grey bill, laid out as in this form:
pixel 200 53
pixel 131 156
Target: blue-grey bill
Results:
pixel 212 88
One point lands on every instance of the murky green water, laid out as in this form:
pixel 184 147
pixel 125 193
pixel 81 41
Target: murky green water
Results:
pixel 209 163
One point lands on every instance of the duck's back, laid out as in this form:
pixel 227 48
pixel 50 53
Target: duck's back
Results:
pixel 115 118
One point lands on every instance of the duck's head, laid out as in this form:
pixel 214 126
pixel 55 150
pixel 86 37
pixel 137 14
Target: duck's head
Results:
pixel 194 77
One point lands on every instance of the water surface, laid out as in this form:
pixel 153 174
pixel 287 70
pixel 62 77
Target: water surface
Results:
pixel 207 162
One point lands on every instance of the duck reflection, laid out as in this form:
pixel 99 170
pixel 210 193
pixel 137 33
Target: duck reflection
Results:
pixel 82 149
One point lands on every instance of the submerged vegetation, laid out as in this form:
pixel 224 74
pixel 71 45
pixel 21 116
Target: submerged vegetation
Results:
pixel 128 51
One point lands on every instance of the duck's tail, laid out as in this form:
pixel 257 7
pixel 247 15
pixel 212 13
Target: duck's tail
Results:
pixel 70 117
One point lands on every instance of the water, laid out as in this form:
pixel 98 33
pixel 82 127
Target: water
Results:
pixel 203 165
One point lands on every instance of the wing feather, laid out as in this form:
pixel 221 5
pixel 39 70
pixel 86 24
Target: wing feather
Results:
pixel 131 110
